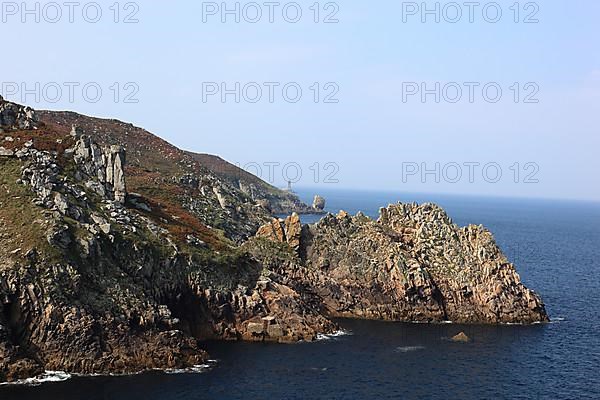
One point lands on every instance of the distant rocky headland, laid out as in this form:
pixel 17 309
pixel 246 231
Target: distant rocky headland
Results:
pixel 121 253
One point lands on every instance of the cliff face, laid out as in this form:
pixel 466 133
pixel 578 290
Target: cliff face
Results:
pixel 96 278
pixel 115 261
pixel 414 264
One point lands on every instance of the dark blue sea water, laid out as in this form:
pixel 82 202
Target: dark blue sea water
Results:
pixel 556 246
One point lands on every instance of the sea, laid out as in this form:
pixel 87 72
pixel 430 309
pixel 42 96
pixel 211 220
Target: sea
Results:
pixel 556 248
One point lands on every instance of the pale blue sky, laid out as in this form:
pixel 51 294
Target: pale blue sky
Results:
pixel 369 54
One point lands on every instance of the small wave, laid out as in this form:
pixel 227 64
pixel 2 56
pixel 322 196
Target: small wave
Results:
pixel 557 319
pixel 60 376
pixel 108 375
pixel 408 349
pixel 335 335
pixel 47 377
pixel 196 369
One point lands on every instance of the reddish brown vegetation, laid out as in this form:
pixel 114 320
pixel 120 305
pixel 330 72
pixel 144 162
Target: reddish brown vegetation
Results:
pixel 164 198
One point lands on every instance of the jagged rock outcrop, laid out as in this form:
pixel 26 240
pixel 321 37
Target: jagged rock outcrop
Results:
pixel 273 231
pixel 14 116
pixel 275 200
pixel 6 153
pixel 220 206
pixel 413 264
pixel 270 311
pixel 284 231
pixel 106 164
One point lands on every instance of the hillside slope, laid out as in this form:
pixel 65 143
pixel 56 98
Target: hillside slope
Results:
pixel 228 192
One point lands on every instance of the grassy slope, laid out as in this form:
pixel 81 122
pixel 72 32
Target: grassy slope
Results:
pixel 162 196
pixel 22 225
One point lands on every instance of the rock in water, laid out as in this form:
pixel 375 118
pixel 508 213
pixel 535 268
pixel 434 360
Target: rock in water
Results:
pixel 318 203
pixel 461 338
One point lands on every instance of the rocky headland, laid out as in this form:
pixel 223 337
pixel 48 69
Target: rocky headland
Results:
pixel 121 253
pixel 412 264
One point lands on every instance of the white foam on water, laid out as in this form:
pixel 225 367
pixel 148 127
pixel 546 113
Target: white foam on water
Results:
pixel 408 349
pixel 335 335
pixel 196 369
pixel 557 319
pixel 46 377
pixel 98 375
pixel 60 376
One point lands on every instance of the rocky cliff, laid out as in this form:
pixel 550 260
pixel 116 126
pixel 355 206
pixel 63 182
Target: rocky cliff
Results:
pixel 115 261
pixel 412 264
pixel 221 195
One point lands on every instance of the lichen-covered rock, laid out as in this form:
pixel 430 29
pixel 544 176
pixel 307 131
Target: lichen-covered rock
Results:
pixel 270 311
pixel 273 231
pixel 293 231
pixel 6 153
pixel 104 164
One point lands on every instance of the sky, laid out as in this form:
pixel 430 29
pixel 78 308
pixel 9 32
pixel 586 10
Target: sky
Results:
pixel 493 98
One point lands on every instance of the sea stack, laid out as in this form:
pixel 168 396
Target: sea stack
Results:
pixel 318 203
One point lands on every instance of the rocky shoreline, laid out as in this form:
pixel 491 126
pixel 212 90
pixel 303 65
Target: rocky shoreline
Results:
pixel 412 264
pixel 115 262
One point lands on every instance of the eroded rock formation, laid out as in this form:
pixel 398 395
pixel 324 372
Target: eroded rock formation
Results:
pixel 413 264
pixel 318 203
pixel 283 231
pixel 106 164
